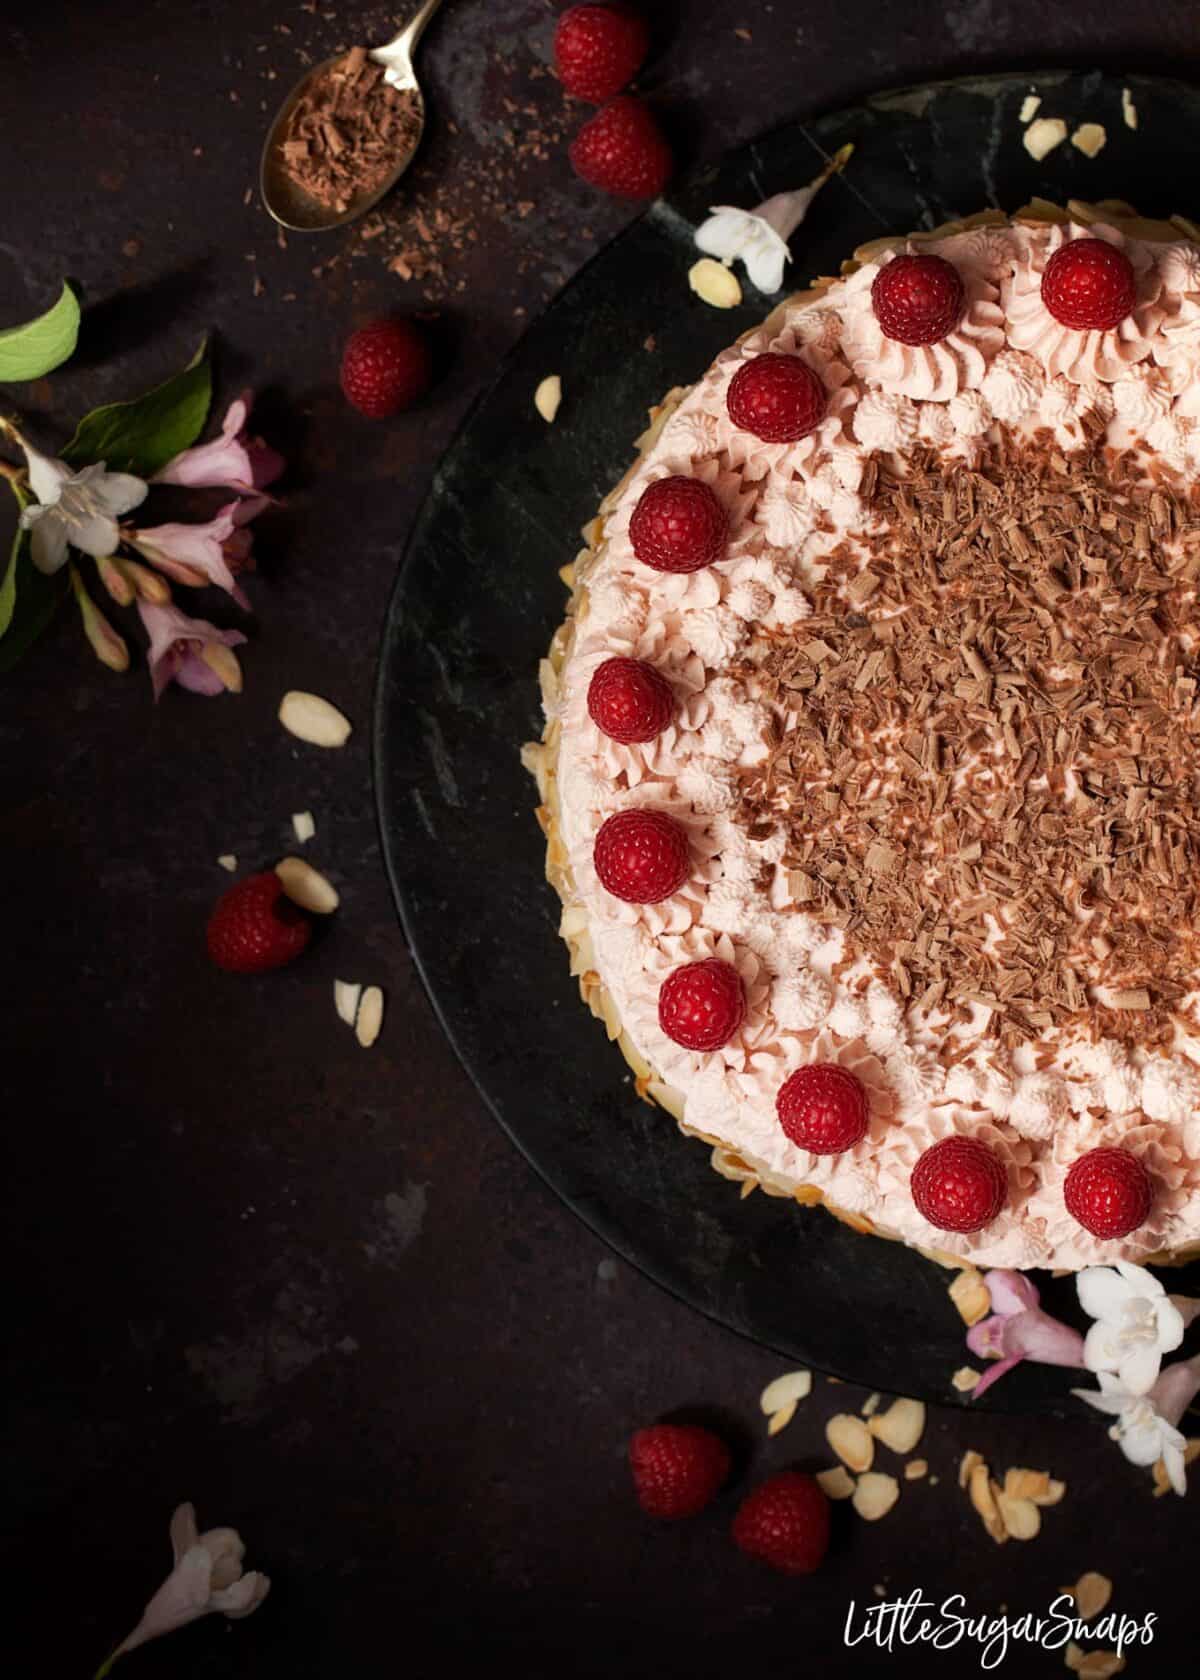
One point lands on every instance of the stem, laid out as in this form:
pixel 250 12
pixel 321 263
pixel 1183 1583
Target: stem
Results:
pixel 106 1667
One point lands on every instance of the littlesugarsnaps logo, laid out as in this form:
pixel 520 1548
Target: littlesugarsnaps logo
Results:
pixel 894 1624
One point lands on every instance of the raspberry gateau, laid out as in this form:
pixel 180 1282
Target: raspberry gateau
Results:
pixel 871 774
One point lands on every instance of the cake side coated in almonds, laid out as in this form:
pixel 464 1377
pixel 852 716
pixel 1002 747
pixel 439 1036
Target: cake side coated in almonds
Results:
pixel 931 747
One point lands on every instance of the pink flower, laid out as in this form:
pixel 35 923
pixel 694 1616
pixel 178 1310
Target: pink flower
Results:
pixel 190 651
pixel 1019 1329
pixel 233 461
pixel 198 554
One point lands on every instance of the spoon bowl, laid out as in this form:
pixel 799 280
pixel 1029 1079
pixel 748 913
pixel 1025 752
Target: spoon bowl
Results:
pixel 285 200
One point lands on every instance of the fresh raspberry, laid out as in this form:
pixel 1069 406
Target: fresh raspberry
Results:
pixel 784 1521
pixel 386 367
pixel 1109 1192
pixel 642 856
pixel 959 1184
pixel 679 525
pixel 621 150
pixel 629 700
pixel 823 1108
pixel 1088 284
pixel 776 397
pixel 677 1468
pixel 255 926
pixel 597 49
pixel 917 300
pixel 701 1005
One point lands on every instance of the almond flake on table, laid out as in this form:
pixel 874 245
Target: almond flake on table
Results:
pixel 310 718
pixel 1030 106
pixel 1089 138
pixel 970 1296
pixel 228 862
pixel 303 826
pixel 793 1386
pixel 346 996
pixel 851 1440
pixel 836 1483
pixel 547 398
pixel 1128 109
pixel 1091 1593
pixel 307 887
pixel 916 1469
pixel 370 1017
pixel 875 1494
pixel 901 1426
pixel 715 284
pixel 1043 135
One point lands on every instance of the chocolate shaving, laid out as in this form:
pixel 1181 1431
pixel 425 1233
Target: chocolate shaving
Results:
pixel 348 132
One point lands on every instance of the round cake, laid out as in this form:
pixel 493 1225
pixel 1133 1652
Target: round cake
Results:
pixel 871 773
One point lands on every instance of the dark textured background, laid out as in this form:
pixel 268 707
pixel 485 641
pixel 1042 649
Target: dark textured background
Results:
pixel 312 1289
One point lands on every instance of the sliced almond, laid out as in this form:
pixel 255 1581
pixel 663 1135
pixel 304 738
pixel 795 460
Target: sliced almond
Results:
pixel 370 1017
pixel 346 994
pixel 915 1469
pixel 970 1295
pixel 1074 1657
pixel 1021 1517
pixel 303 826
pixel 715 284
pixel 1128 109
pixel 851 1440
pixel 1026 1484
pixel 306 886
pixel 1089 138
pixel 982 1493
pixel 871 1405
pixel 901 1426
pixel 1052 1495
pixel 781 1418
pixel 875 1494
pixel 965 1379
pixel 228 862
pixel 792 1387
pixel 969 1460
pixel 547 397
pixel 311 719
pixel 837 1483
pixel 1091 1593
pixel 1042 135
pixel 1029 107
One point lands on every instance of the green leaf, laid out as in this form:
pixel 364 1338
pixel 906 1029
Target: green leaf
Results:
pixel 29 351
pixel 28 599
pixel 143 435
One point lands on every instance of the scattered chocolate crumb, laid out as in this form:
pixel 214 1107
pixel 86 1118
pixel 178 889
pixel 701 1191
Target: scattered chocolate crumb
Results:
pixel 348 130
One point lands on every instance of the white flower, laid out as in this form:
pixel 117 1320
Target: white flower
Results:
pixel 758 238
pixel 74 507
pixel 207 1576
pixel 1136 1323
pixel 1144 1434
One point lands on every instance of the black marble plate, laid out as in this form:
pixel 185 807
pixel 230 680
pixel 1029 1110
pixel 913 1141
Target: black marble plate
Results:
pixel 474 607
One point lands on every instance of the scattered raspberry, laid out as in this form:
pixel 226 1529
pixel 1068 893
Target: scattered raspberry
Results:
pixel 785 1522
pixel 679 525
pixel 621 150
pixel 677 1468
pixel 255 926
pixel 776 397
pixel 959 1184
pixel 701 1005
pixel 917 300
pixel 629 700
pixel 597 49
pixel 386 367
pixel 1089 285
pixel 642 856
pixel 823 1108
pixel 1109 1192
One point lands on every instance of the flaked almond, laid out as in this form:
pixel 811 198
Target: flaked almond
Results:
pixel 715 284
pixel 915 1469
pixel 547 397
pixel 311 719
pixel 874 1495
pixel 1029 107
pixel 228 862
pixel 901 1426
pixel 837 1483
pixel 965 1379
pixel 346 994
pixel 871 1405
pixel 851 1440
pixel 1128 109
pixel 1093 1665
pixel 1089 138
pixel 1091 1593
pixel 792 1387
pixel 370 1017
pixel 303 826
pixel 306 886
pixel 781 1417
pixel 1021 1517
pixel 1054 1492
pixel 1026 1484
pixel 969 1460
pixel 981 1491
pixel 970 1295
pixel 1042 135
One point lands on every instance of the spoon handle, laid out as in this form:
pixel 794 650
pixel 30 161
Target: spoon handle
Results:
pixel 397 53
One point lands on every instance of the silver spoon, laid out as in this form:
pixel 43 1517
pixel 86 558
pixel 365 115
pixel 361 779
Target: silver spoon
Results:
pixel 290 205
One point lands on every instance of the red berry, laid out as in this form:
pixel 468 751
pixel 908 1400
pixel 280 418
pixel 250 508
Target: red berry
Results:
pixel 621 150
pixel 917 300
pixel 785 1522
pixel 255 926
pixel 677 1468
pixel 1109 1192
pixel 385 368
pixel 776 397
pixel 642 856
pixel 959 1184
pixel 1089 285
pixel 823 1108
pixel 679 525
pixel 629 700
pixel 597 49
pixel 701 1005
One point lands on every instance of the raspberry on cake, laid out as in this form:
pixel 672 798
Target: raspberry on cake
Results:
pixel 629 700
pixel 919 558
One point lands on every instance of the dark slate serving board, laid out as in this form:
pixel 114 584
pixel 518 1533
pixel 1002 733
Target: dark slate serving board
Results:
pixel 474 607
